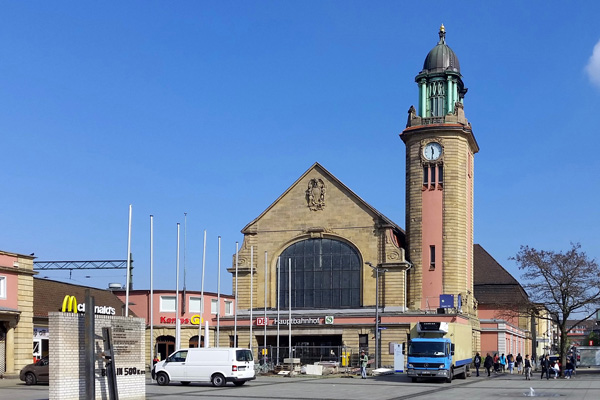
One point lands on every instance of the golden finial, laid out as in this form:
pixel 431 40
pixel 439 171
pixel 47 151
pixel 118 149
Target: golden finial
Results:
pixel 442 29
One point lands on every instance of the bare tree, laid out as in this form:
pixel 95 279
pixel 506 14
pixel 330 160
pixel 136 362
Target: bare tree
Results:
pixel 567 283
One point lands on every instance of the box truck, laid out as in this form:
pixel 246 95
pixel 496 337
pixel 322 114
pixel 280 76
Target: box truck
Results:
pixel 441 351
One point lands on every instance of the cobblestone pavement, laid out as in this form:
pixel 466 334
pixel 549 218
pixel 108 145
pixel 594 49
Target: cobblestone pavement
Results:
pixel 586 385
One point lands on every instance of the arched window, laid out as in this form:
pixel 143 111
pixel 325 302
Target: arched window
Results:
pixel 325 274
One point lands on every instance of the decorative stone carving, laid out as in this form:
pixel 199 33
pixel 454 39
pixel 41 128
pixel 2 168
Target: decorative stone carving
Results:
pixel 315 194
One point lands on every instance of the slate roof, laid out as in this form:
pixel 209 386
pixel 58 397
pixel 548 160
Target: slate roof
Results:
pixel 492 283
pixel 48 296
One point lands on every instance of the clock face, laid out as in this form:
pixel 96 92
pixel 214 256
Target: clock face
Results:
pixel 432 151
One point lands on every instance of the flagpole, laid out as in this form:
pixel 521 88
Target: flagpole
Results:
pixel 128 282
pixel 183 308
pixel 177 327
pixel 290 313
pixel 152 288
pixel 219 295
pixel 251 290
pixel 278 301
pixel 235 341
pixel 265 320
pixel 202 297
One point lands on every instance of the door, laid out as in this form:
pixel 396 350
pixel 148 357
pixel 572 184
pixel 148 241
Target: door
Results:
pixel 176 367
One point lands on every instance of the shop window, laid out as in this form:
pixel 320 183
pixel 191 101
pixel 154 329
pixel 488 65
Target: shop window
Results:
pixel 167 304
pixel 196 304
pixel 326 273
pixel 214 306
pixel 228 307
pixel 2 287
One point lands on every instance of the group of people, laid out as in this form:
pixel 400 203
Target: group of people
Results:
pixel 554 367
pixel 501 363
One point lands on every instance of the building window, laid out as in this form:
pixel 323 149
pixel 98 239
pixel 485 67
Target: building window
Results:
pixel 326 273
pixel 167 304
pixel 3 287
pixel 228 307
pixel 196 304
pixel 431 257
pixel 440 174
pixel 214 306
pixel 426 175
pixel 433 175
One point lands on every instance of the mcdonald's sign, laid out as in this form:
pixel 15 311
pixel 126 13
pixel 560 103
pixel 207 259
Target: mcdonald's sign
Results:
pixel 69 304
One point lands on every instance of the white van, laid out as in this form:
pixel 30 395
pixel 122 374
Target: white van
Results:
pixel 217 365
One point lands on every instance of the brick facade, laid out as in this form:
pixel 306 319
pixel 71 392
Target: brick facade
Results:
pixel 67 355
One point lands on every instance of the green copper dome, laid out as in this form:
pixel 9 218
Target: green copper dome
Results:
pixel 441 58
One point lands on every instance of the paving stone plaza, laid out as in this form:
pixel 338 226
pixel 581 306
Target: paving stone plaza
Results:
pixel 586 385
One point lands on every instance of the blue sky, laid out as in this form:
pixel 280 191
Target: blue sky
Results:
pixel 215 108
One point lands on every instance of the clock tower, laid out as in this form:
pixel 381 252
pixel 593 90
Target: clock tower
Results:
pixel 440 148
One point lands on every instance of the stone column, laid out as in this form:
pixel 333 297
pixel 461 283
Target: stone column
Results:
pixel 10 347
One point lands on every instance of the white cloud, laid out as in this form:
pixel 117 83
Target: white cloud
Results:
pixel 593 65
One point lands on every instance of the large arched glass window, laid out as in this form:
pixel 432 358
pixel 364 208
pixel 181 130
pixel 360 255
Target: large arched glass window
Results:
pixel 325 274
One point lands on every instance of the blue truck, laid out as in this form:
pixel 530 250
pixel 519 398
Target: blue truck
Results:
pixel 433 355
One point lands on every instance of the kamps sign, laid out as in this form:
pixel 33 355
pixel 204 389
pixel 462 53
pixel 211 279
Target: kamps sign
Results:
pixel 70 305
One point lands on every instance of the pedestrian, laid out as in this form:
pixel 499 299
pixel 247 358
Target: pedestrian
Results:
pixel 488 363
pixel 477 362
pixel 496 362
pixel 503 362
pixel 519 360
pixel 364 360
pixel 527 368
pixel 569 369
pixel 556 369
pixel 545 364
pixel 511 362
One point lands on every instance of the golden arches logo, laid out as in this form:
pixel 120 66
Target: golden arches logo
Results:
pixel 69 304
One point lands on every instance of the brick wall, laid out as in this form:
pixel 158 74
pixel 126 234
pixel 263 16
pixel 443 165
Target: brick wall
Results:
pixel 67 356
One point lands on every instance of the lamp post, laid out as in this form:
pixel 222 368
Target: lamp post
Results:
pixel 377 270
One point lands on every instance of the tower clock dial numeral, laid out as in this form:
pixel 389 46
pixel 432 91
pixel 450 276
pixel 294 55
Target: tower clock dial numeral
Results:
pixel 432 151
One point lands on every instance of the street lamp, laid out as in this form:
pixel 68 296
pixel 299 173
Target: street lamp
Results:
pixel 377 270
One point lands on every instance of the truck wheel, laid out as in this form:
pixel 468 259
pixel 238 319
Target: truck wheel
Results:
pixel 414 379
pixel 162 379
pixel 450 376
pixel 218 380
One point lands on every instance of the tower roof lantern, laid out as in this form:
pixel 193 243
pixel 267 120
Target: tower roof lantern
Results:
pixel 441 59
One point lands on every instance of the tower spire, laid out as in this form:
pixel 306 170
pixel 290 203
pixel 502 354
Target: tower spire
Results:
pixel 442 34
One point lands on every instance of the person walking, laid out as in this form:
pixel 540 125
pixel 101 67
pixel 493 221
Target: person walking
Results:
pixel 477 362
pixel 488 363
pixel 503 362
pixel 519 363
pixel 364 360
pixel 496 362
pixel 545 364
pixel 511 363
pixel 527 368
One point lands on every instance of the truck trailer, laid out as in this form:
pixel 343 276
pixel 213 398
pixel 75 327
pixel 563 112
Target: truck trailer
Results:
pixel 441 351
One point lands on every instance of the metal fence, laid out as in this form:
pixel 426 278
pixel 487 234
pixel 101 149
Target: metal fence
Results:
pixel 271 356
